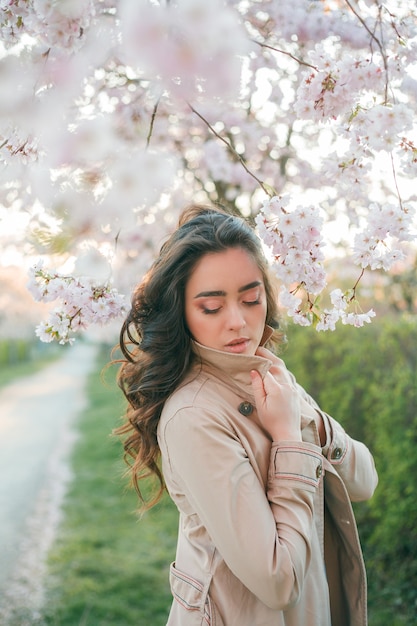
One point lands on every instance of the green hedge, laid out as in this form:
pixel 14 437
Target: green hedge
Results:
pixel 14 351
pixel 21 357
pixel 367 379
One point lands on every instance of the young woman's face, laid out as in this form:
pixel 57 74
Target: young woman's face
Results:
pixel 225 302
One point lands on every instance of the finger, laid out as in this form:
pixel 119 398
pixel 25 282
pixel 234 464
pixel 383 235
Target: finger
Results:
pixel 279 373
pixel 266 386
pixel 257 386
pixel 265 353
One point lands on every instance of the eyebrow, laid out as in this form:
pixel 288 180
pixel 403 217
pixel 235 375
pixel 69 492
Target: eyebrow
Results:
pixel 210 294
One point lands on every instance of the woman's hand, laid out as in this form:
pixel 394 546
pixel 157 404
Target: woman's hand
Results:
pixel 277 401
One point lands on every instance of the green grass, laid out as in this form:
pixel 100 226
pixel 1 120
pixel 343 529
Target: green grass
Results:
pixel 108 566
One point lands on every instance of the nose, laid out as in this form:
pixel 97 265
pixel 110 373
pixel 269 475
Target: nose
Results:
pixel 236 319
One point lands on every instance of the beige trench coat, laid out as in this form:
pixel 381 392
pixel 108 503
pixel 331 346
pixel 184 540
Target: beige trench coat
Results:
pixel 267 535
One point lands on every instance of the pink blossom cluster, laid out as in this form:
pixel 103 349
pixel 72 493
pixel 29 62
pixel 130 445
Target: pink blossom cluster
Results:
pixel 114 114
pixel 380 127
pixel 378 245
pixel 334 86
pixel 295 241
pixel 307 313
pixel 327 318
pixel 193 47
pixel 13 14
pixel 306 21
pixel 82 303
pixel 61 23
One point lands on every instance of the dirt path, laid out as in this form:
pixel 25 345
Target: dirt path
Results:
pixel 37 415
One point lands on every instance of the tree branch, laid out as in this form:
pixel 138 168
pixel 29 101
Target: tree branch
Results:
pixel 268 190
pixel 288 54
pixel 378 43
pixel 394 174
pixel 154 112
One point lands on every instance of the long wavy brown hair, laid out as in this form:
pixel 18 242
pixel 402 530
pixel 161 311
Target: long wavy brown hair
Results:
pixel 154 338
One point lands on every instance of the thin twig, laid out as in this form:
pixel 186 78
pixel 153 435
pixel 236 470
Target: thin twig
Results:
pixel 355 286
pixel 377 41
pixel 394 174
pixel 232 150
pixel 288 54
pixel 154 112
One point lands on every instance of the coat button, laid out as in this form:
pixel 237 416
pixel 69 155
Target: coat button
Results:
pixel 319 470
pixel 337 453
pixel 245 408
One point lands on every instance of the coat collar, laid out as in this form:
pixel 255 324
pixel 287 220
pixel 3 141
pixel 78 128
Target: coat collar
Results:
pixel 234 371
pixel 234 367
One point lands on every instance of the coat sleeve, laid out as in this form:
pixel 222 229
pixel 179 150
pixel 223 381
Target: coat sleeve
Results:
pixel 264 538
pixel 350 458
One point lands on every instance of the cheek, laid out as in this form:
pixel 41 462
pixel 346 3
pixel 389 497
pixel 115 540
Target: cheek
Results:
pixel 260 320
pixel 197 323
pixel 260 313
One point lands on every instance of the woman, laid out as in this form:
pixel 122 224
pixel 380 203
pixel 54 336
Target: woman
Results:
pixel 262 478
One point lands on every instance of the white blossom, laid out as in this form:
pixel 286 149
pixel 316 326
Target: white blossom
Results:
pixel 83 302
pixel 358 319
pixel 329 319
pixel 294 236
pixel 192 46
pixel 113 116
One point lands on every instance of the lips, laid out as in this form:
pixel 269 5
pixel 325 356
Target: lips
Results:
pixel 238 345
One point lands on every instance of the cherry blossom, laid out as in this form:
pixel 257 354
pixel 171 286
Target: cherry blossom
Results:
pixel 82 303
pixel 294 239
pixel 341 302
pixel 191 46
pixel 115 114
pixel 378 245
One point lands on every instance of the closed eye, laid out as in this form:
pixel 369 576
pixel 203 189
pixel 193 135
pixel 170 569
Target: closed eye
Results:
pixel 207 311
pixel 252 302
pixel 252 297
